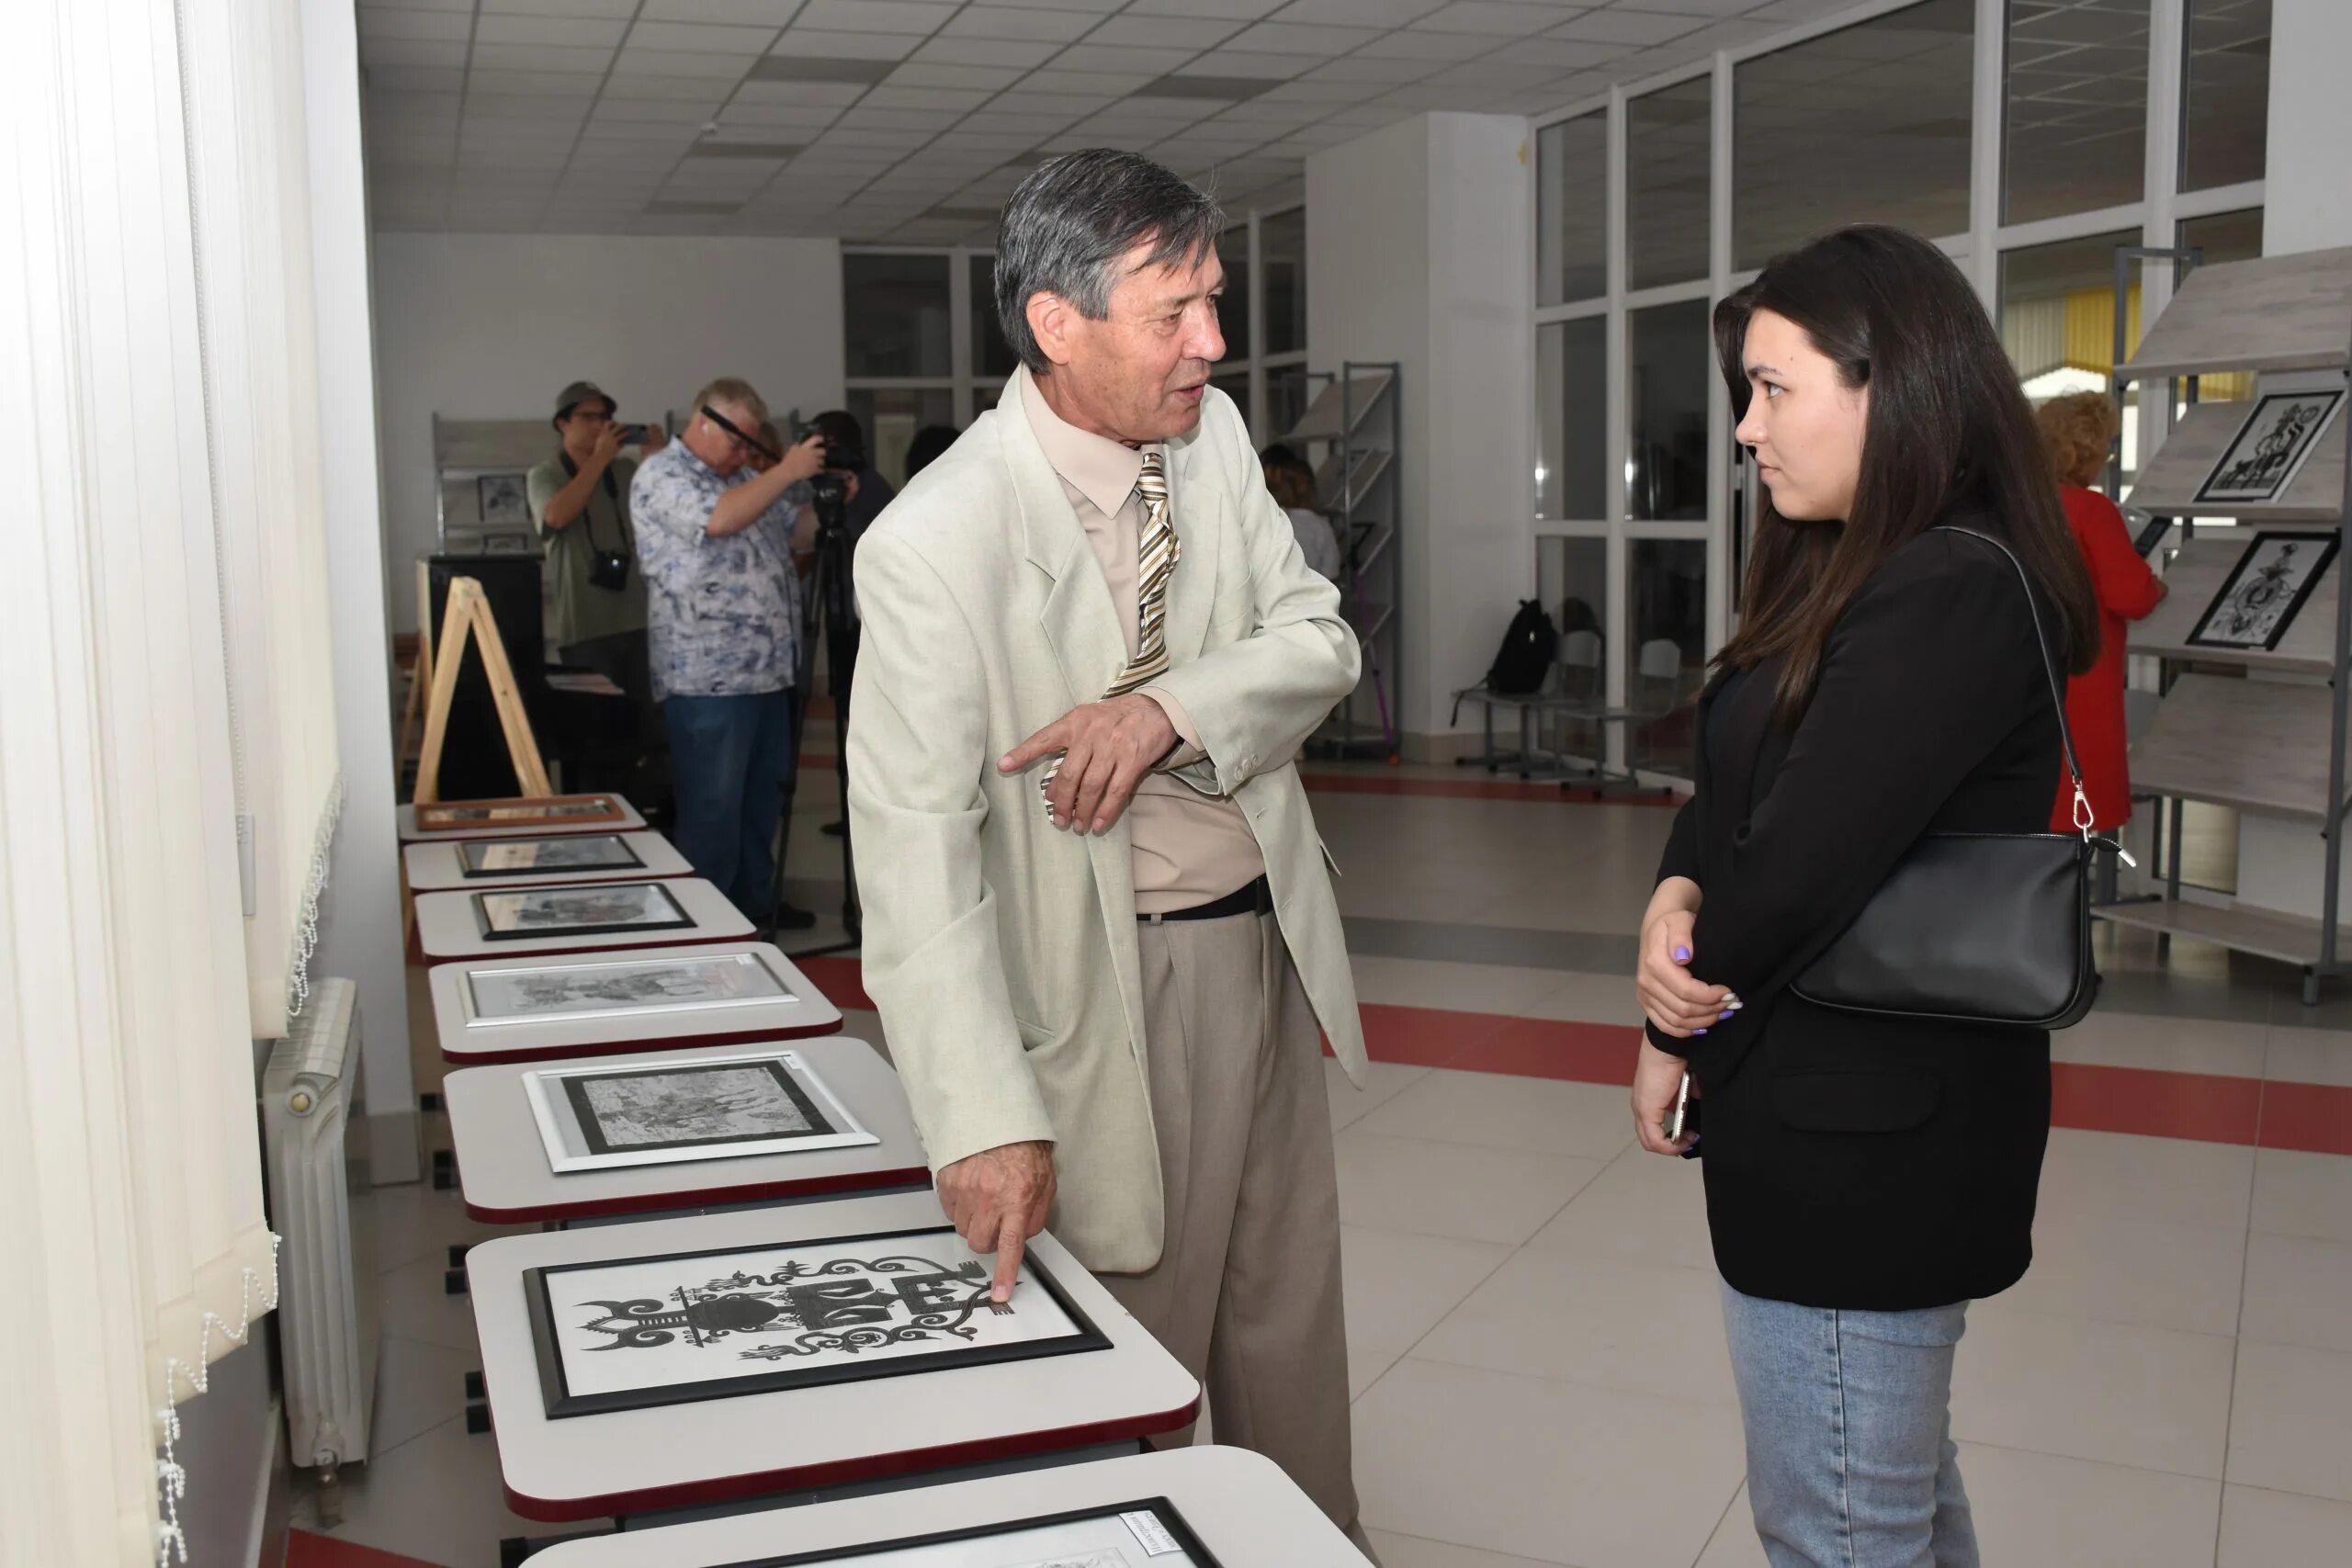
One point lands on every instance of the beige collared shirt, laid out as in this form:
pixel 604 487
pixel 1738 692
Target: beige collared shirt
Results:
pixel 1190 848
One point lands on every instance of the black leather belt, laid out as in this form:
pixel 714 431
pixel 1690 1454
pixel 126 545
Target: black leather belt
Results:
pixel 1258 898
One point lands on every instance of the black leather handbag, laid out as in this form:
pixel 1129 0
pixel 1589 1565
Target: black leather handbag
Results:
pixel 1977 927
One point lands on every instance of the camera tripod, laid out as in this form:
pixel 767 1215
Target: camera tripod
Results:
pixel 830 617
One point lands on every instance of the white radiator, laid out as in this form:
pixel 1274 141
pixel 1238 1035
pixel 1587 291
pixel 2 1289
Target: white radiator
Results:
pixel 315 1131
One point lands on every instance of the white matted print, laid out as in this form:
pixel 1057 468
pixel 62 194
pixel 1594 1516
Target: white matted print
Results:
pixel 1148 1533
pixel 687 1108
pixel 2256 603
pixel 593 911
pixel 542 857
pixel 629 1333
pixel 2280 431
pixel 505 499
pixel 619 988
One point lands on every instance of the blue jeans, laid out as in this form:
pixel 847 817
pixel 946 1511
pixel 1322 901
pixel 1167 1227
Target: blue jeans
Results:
pixel 1850 1462
pixel 728 759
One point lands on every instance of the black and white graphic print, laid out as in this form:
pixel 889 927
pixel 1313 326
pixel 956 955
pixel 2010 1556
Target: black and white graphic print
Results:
pixel 527 857
pixel 687 1108
pixel 2257 604
pixel 615 989
pixel 2280 432
pixel 1148 1533
pixel 579 911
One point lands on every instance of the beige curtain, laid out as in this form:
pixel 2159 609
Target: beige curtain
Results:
pixel 164 670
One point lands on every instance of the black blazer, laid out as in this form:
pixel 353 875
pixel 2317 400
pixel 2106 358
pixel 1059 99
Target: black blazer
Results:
pixel 1858 1162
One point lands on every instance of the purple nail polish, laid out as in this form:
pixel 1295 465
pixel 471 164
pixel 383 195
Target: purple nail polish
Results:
pixel 1682 955
pixel 1698 1031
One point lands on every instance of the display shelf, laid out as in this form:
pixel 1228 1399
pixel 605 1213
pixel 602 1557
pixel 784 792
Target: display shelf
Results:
pixel 1339 500
pixel 1340 408
pixel 2197 574
pixel 2265 933
pixel 1376 539
pixel 2273 313
pixel 2168 484
pixel 2255 745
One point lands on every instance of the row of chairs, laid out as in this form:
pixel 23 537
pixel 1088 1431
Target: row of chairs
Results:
pixel 1574 696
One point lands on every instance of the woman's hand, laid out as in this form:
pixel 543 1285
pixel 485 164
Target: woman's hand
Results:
pixel 1658 1083
pixel 1680 1004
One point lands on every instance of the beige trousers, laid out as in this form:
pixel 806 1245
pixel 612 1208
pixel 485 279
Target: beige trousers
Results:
pixel 1247 1292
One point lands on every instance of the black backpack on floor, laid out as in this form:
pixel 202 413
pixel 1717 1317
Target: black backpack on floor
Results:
pixel 1528 650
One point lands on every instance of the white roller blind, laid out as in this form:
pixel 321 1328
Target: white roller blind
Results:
pixel 163 668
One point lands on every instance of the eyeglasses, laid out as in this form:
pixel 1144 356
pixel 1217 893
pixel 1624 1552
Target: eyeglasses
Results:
pixel 751 443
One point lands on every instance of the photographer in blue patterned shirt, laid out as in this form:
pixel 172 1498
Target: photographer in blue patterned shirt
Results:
pixel 723 609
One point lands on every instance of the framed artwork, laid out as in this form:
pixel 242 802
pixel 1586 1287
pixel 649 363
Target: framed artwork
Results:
pixel 627 1333
pixel 2257 603
pixel 437 815
pixel 1147 1533
pixel 687 1108
pixel 619 988
pixel 2269 449
pixel 596 910
pixel 505 500
pixel 541 857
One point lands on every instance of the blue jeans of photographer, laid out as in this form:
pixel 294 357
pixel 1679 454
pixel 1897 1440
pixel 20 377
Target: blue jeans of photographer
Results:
pixel 1850 1462
pixel 729 760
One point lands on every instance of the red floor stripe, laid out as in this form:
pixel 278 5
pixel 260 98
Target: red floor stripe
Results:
pixel 2198 1107
pixel 306 1549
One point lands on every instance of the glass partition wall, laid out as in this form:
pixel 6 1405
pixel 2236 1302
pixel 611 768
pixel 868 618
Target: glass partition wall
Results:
pixel 2027 138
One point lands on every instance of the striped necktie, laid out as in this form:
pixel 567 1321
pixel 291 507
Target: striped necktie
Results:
pixel 1156 555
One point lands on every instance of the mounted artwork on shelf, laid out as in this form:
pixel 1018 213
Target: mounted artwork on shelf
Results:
pixel 2259 601
pixel 688 1108
pixel 520 811
pixel 505 500
pixel 619 988
pixel 598 909
pixel 1148 1533
pixel 627 1333
pixel 545 857
pixel 2280 431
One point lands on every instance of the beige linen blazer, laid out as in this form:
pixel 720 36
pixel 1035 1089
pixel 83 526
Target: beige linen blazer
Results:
pixel 1001 950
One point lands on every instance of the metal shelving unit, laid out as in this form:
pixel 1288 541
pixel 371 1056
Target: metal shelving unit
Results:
pixel 1353 420
pixel 2256 742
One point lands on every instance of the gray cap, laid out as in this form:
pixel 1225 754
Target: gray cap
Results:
pixel 579 392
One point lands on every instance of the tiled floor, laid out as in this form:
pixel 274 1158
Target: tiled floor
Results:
pixel 1538 1365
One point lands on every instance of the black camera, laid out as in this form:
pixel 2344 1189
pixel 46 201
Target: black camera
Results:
pixel 608 570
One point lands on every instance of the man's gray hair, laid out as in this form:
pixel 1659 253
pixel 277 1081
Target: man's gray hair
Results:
pixel 1066 228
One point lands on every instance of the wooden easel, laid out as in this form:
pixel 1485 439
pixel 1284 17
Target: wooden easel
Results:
pixel 438 660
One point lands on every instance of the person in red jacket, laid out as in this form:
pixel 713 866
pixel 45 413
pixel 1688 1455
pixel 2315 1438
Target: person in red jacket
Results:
pixel 2077 429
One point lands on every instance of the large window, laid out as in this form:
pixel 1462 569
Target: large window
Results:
pixel 1233 307
pixel 901 305
pixel 1572 431
pixel 1572 211
pixel 2057 313
pixel 992 353
pixel 1264 317
pixel 1282 263
pixel 1669 362
pixel 2077 118
pixel 2226 99
pixel 1868 124
pixel 1667 156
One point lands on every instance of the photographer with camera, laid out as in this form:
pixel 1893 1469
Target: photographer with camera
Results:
pixel 724 612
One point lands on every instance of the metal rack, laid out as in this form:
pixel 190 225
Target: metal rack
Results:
pixel 2253 745
pixel 1355 420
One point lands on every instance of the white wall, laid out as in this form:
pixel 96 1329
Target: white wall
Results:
pixel 491 326
pixel 1419 250
pixel 2307 198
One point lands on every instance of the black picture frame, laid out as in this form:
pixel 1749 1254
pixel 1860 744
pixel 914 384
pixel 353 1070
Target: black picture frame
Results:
pixel 592 1133
pixel 560 1403
pixel 2215 492
pixel 2326 539
pixel 489 933
pixel 631 860
pixel 1170 1517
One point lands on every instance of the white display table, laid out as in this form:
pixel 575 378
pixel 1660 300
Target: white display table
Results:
pixel 805 1013
pixel 434 866
pixel 505 1178
pixel 447 926
pixel 404 823
pixel 719 1449
pixel 1244 1511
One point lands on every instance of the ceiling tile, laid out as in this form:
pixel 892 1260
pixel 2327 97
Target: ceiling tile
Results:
pixel 1319 92
pixel 1031 122
pixel 807 43
pixel 888 98
pixel 575 32
pixel 1100 8
pixel 1100 86
pixel 806 116
pixel 1363 13
pixel 768 13
pixel 1706 7
pixel 706 90
pixel 480 128
pixel 635 61
pixel 1125 58
pixel 1249 63
pixel 1016 52
pixel 623 9
pixel 1192 33
pixel 379 21
pixel 1502 74
pixel 1566 54
pixel 396 51
pixel 553 83
pixel 542 108
pixel 942 74
pixel 1018 22
pixel 872 139
pixel 1492 16
pixel 696 38
pixel 1371 68
pixel 876 16
pixel 647 111
pixel 888 119
pixel 1204 87
pixel 541 57
pixel 1626 27
pixel 1411 44
pixel 1234 10
pixel 1287 37
pixel 818 69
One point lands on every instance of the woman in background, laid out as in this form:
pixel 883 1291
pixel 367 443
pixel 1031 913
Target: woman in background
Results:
pixel 2077 429
pixel 1293 484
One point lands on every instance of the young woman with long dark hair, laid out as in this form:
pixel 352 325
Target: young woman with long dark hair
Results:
pixel 1867 1178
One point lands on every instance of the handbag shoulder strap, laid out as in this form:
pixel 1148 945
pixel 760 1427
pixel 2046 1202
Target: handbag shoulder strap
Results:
pixel 2049 669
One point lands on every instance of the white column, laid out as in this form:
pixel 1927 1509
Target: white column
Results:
pixel 1419 249
pixel 360 919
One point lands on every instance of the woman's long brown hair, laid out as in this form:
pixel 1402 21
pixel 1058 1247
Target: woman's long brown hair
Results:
pixel 1948 432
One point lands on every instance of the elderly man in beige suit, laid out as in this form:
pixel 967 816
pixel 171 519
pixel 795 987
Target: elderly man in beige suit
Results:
pixel 1098 923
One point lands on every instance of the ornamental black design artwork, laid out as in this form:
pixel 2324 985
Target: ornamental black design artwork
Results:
pixel 2270 446
pixel 614 988
pixel 579 911
pixel 2257 603
pixel 629 1333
